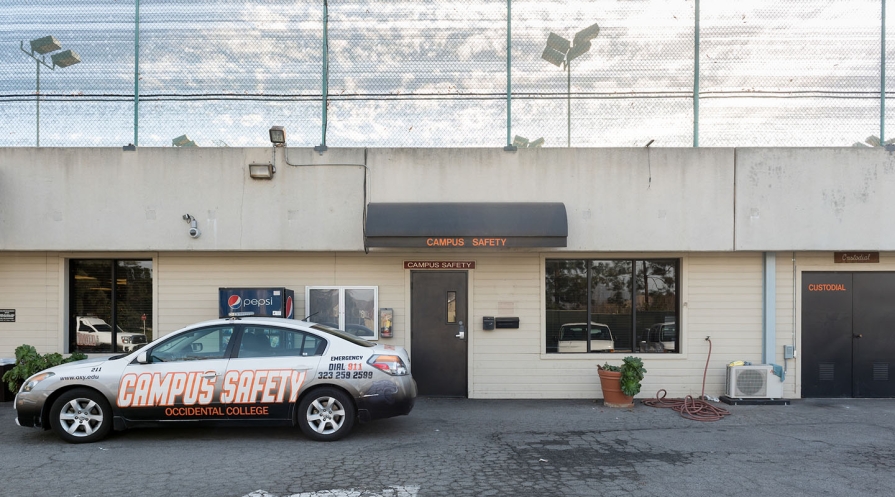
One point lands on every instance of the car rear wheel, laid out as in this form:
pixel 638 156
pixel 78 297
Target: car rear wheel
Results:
pixel 326 414
pixel 81 416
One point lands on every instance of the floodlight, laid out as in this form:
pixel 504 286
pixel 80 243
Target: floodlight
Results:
pixel 278 136
pixel 66 58
pixel 183 141
pixel 262 171
pixel 45 45
pixel 587 34
pixel 558 43
pixel 536 143
pixel 520 141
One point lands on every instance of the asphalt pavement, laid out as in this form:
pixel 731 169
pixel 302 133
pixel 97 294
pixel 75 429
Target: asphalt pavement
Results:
pixel 460 447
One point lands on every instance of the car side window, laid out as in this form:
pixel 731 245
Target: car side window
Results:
pixel 600 333
pixel 204 343
pixel 261 341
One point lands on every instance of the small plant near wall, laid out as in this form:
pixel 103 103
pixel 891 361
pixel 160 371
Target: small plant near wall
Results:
pixel 621 383
pixel 29 362
pixel 632 371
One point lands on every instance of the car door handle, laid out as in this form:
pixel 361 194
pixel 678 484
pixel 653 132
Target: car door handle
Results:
pixel 859 335
pixel 210 374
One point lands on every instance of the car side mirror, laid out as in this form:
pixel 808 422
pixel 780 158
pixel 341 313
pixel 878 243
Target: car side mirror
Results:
pixel 142 359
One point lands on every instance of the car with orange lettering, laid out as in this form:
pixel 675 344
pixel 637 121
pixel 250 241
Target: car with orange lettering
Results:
pixel 236 371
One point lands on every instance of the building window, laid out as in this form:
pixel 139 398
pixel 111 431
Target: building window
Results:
pixel 110 305
pixel 632 304
pixel 353 309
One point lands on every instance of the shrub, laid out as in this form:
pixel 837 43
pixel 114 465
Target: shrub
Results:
pixel 29 362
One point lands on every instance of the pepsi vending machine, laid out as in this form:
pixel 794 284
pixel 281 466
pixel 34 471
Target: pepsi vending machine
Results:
pixel 265 302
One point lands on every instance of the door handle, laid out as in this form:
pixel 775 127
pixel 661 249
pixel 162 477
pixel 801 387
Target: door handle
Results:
pixel 859 335
pixel 461 332
pixel 209 374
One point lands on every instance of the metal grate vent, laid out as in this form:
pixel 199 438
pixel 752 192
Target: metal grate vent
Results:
pixel 825 371
pixel 880 371
pixel 751 381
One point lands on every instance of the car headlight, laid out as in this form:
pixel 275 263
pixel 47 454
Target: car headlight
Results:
pixel 125 339
pixel 34 380
pixel 390 364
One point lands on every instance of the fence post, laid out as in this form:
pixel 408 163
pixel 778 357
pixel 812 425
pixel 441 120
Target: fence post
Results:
pixel 696 79
pixel 509 146
pixel 882 77
pixel 137 73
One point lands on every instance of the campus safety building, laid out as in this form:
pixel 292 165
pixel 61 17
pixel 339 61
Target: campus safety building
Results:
pixel 505 274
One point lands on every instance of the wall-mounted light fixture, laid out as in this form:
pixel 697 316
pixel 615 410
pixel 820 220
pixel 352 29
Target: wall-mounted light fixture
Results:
pixel 278 136
pixel 262 171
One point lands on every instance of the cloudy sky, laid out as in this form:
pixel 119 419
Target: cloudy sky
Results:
pixel 423 73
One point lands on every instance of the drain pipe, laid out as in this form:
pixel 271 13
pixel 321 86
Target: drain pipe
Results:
pixel 769 307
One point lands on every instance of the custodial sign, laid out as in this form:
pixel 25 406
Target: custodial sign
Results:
pixel 181 389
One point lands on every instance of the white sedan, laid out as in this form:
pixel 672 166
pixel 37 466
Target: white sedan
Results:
pixel 230 371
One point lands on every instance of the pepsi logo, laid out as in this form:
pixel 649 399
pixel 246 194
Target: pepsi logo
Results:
pixel 235 302
pixel 289 308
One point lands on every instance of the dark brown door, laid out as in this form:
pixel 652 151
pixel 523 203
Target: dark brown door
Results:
pixel 438 315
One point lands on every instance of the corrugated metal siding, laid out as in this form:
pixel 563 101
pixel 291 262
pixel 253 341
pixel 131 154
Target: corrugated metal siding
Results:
pixel 31 284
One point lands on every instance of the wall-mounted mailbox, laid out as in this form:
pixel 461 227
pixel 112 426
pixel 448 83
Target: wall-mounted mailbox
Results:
pixel 488 323
pixel 506 322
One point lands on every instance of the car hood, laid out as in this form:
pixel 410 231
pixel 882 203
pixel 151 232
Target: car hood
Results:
pixel 71 366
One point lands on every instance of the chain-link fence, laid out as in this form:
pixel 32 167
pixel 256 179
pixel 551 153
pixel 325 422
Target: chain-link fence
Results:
pixel 433 73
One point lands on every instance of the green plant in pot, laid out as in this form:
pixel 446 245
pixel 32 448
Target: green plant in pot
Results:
pixel 621 383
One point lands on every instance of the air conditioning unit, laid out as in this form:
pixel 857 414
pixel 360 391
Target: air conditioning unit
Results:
pixel 753 382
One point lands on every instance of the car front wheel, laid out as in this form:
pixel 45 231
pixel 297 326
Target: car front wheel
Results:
pixel 326 414
pixel 81 416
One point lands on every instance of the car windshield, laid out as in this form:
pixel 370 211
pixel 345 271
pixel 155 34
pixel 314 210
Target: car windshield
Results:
pixel 103 327
pixel 343 335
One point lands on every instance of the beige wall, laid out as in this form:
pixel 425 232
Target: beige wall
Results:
pixel 721 297
pixel 31 283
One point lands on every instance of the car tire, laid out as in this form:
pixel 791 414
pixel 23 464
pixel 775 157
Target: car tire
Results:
pixel 326 414
pixel 81 416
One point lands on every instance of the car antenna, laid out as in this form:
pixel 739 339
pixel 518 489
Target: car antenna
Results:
pixel 310 316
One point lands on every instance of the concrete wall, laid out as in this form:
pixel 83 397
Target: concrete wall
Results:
pixel 752 199
pixel 815 199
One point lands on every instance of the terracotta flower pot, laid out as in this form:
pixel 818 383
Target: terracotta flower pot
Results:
pixel 610 383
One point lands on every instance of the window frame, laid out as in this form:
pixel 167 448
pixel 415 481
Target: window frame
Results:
pixel 343 289
pixel 636 328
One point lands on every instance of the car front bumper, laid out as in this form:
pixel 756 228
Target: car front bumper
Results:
pixel 28 411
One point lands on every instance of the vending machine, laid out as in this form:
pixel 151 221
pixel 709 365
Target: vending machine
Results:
pixel 266 302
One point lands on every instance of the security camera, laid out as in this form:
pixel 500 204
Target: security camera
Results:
pixel 194 232
pixel 187 217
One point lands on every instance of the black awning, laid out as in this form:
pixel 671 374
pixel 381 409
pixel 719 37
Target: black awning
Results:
pixel 467 225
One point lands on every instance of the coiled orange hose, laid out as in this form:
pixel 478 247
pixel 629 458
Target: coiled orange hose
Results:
pixel 690 408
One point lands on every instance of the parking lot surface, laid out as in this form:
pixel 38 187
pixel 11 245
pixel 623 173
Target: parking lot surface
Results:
pixel 460 447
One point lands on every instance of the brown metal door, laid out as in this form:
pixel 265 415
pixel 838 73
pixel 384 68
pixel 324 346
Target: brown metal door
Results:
pixel 438 315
